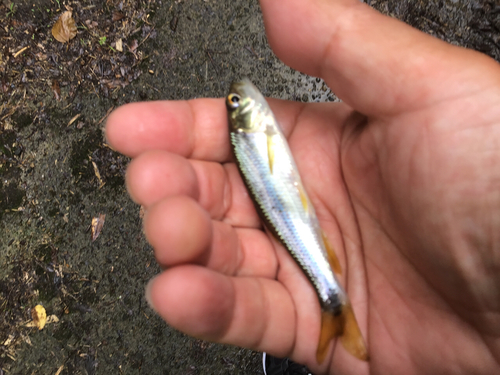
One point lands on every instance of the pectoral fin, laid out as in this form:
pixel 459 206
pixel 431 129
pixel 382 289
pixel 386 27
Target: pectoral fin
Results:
pixel 303 197
pixel 270 151
pixel 332 257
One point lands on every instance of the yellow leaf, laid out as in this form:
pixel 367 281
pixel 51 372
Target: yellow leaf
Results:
pixel 39 316
pixel 65 28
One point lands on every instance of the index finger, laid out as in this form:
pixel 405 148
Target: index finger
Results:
pixel 195 129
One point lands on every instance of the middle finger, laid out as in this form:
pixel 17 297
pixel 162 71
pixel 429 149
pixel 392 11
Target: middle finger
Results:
pixel 156 175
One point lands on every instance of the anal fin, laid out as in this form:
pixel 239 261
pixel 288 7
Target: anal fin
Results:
pixel 332 257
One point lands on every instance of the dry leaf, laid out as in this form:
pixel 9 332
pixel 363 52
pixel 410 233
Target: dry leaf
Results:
pixel 41 56
pixel 52 319
pixel 98 175
pixel 91 24
pixel 133 45
pixel 56 90
pixel 117 16
pixel 39 316
pixel 8 341
pixel 65 28
pixel 97 224
pixel 119 45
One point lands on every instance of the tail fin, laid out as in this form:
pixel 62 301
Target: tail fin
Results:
pixel 352 339
pixel 345 326
pixel 331 326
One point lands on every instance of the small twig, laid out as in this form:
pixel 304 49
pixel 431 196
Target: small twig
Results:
pixel 73 119
pixel 20 51
pixel 248 48
pixel 213 62
pixel 147 36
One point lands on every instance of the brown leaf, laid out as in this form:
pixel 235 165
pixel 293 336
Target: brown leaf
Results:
pixel 133 45
pixel 65 28
pixel 56 90
pixel 41 56
pixel 117 16
pixel 97 224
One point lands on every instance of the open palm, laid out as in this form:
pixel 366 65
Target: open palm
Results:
pixel 404 177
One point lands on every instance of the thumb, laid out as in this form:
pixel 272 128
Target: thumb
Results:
pixel 376 64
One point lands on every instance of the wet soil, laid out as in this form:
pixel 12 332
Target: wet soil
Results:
pixel 57 173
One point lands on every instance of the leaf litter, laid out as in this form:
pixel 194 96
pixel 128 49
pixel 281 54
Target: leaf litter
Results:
pixel 88 48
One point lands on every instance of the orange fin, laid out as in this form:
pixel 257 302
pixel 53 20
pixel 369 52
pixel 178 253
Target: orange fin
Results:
pixel 345 326
pixel 270 152
pixel 331 327
pixel 332 257
pixel 352 339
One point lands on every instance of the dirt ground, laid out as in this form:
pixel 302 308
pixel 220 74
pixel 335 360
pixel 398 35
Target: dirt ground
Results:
pixel 57 173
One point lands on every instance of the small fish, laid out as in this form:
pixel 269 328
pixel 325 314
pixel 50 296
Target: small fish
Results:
pixel 272 179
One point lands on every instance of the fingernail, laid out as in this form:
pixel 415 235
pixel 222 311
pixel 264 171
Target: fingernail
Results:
pixel 148 294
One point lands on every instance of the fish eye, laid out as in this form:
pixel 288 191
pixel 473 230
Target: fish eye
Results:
pixel 233 101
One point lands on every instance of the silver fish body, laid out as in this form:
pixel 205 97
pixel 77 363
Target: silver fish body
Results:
pixel 271 176
pixel 281 198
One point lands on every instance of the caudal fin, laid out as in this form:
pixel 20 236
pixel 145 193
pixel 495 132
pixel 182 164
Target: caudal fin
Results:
pixel 331 326
pixel 352 339
pixel 345 326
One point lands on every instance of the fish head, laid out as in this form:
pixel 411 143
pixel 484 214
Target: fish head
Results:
pixel 246 107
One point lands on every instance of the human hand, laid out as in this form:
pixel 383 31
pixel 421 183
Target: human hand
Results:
pixel 403 175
